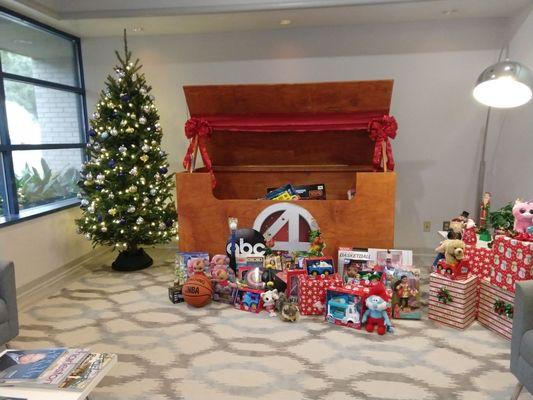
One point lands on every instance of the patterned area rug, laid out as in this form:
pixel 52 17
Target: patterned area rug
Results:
pixel 171 351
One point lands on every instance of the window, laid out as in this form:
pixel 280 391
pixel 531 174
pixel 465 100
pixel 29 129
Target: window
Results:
pixel 42 118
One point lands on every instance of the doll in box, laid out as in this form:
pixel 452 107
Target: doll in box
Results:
pixel 223 279
pixel 352 272
pixel 405 300
pixel 197 266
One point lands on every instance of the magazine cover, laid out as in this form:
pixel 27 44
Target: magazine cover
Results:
pixel 88 369
pixel 27 364
pixel 58 372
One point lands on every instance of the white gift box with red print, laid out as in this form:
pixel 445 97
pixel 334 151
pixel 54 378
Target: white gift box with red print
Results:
pixel 461 311
pixel 312 292
pixel 487 316
pixel 480 260
pixel 512 261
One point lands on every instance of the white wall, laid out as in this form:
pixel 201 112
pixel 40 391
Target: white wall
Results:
pixel 42 245
pixel 434 65
pixel 510 165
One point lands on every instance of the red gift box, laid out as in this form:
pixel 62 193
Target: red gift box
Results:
pixel 312 292
pixel 480 260
pixel 512 261
pixel 487 315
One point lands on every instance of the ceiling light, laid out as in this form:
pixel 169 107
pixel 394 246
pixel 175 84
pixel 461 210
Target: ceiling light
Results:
pixel 285 22
pixel 138 29
pixel 506 84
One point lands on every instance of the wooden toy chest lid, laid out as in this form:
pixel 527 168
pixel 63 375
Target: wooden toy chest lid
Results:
pixel 290 126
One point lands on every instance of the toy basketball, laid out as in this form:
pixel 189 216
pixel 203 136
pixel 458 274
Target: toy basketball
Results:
pixel 197 290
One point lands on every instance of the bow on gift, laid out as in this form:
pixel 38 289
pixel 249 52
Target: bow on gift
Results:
pixel 524 237
pixel 198 131
pixel 380 130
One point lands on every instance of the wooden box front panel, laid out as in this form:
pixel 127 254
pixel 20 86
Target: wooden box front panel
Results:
pixel 366 221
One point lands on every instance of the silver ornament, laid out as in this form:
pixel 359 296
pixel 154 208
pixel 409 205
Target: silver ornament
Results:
pixel 146 108
pixel 90 209
pixel 131 209
pixel 134 77
pixel 162 225
pixel 85 202
pixel 114 132
pixel 122 149
pixel 140 220
pixel 103 229
pixel 153 192
pixel 134 171
pixel 142 90
pixel 142 120
pixel 96 115
pixel 145 148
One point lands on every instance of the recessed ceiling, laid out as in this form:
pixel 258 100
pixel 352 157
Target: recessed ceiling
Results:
pixel 143 17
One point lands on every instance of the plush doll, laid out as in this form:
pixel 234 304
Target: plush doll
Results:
pixel 454 251
pixel 469 233
pixel 523 215
pixel 196 266
pixel 457 225
pixel 376 315
pixel 440 249
pixel 288 310
pixel 269 301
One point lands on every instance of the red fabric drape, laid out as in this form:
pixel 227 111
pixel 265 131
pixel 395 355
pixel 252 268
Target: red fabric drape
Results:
pixel 381 128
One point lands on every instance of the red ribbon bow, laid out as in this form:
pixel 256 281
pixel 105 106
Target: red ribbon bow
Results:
pixel 198 131
pixel 380 130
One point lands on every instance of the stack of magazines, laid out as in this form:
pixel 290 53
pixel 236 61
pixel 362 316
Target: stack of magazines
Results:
pixel 53 368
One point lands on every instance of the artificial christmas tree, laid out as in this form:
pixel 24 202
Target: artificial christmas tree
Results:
pixel 125 190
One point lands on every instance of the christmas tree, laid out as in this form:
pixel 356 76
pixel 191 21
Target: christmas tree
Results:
pixel 126 191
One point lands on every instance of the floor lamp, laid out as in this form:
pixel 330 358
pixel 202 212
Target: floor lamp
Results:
pixel 506 84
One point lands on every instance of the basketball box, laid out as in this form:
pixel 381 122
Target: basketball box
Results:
pixel 461 308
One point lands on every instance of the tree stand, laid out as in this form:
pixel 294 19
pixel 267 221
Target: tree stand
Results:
pixel 132 260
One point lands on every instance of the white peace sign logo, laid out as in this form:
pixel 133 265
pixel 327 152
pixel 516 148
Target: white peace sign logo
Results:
pixel 286 220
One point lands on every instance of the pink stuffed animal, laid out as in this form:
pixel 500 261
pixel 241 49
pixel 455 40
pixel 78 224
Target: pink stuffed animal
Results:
pixel 523 215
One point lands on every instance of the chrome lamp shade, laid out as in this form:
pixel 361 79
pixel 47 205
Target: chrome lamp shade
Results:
pixel 506 84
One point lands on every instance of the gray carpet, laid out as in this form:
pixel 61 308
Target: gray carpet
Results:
pixel 171 351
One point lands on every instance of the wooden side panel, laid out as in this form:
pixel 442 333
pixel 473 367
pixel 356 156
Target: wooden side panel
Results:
pixel 323 97
pixel 366 221
pixel 310 148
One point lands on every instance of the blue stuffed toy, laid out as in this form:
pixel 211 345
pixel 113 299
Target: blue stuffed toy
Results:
pixel 376 315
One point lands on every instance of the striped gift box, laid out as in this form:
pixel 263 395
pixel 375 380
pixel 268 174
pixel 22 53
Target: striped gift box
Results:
pixel 462 311
pixel 488 294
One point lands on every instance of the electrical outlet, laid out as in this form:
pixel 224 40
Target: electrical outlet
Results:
pixel 426 226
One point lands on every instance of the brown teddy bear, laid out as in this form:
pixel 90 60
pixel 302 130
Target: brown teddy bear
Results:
pixel 454 251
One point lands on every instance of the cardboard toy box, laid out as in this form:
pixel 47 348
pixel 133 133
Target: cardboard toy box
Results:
pixel 268 135
pixel 344 306
pixel 312 292
pixel 461 311
pixel 406 294
pixel 512 261
pixel 495 309
pixel 480 260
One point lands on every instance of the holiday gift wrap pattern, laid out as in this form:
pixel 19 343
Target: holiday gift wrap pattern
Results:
pixel 480 260
pixel 512 261
pixel 461 311
pixel 496 321
pixel 312 292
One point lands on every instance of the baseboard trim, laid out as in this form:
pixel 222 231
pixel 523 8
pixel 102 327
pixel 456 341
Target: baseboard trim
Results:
pixel 29 292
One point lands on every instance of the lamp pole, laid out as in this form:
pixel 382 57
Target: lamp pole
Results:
pixel 481 176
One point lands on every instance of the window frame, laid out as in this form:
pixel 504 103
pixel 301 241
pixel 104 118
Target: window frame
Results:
pixel 12 213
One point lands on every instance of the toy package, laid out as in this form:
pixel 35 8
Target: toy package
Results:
pixel 250 261
pixel 319 266
pixel 391 258
pixel 308 192
pixel 274 261
pixel 251 277
pixel 190 262
pixel 356 257
pixel 344 307
pixel 406 294
pixel 224 284
pixel 282 193
pixel 247 299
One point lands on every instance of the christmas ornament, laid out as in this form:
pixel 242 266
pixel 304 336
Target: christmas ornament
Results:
pixel 103 229
pixel 144 157
pixel 125 97
pixel 142 120
pixel 96 115
pixel 133 189
pixel 114 132
pixel 112 211
pixel 92 133
pixel 111 163
pixel 131 209
pixel 162 225
pixel 100 177
pixel 140 220
pixel 146 108
pixel 129 130
pixel 122 149
pixel 163 170
pixel 104 135
pixel 142 91
pixel 134 77
pixel 84 202
pixel 133 171
pixel 153 192
pixel 145 148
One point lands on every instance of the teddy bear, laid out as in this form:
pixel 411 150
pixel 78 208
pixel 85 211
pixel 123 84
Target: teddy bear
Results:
pixel 454 251
pixel 376 315
pixel 269 301
pixel 523 215
pixel 288 309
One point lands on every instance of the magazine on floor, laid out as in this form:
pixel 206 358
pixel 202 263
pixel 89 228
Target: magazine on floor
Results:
pixel 87 370
pixel 40 367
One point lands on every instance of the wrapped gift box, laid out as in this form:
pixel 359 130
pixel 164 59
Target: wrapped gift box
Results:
pixel 461 311
pixel 512 261
pixel 480 260
pixel 312 292
pixel 487 316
